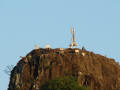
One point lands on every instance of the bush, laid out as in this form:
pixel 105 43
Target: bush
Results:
pixel 66 83
pixel 8 69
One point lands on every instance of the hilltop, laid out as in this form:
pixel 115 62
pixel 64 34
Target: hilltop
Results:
pixel 93 70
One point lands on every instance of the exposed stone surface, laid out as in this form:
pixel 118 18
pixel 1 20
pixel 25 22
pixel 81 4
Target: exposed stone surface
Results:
pixel 93 70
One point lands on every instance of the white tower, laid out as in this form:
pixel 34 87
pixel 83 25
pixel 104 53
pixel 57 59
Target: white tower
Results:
pixel 36 47
pixel 73 43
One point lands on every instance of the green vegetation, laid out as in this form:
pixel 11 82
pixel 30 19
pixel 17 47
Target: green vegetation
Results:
pixel 66 83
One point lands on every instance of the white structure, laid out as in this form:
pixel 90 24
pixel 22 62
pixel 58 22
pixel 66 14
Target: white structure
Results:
pixel 47 46
pixel 73 43
pixel 83 54
pixel 76 51
pixel 61 49
pixel 36 47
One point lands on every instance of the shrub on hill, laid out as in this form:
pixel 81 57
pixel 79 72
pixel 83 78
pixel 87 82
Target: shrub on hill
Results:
pixel 66 83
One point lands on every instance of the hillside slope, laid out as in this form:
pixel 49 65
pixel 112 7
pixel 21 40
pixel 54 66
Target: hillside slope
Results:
pixel 93 70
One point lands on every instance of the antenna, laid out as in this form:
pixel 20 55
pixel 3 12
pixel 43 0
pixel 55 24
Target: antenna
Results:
pixel 73 43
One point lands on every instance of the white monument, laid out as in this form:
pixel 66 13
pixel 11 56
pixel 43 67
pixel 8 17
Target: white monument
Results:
pixel 73 43
pixel 36 47
pixel 47 46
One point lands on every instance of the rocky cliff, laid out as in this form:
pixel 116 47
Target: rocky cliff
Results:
pixel 93 70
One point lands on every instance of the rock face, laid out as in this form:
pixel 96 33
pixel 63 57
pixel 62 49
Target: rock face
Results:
pixel 92 70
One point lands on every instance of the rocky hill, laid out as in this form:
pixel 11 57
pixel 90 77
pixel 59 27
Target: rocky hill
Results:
pixel 93 70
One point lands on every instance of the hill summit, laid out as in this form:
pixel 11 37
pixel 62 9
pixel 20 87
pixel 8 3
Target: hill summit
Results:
pixel 93 70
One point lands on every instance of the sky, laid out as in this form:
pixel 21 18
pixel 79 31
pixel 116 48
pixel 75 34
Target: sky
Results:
pixel 25 23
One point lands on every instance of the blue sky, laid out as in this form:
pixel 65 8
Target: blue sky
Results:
pixel 24 23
